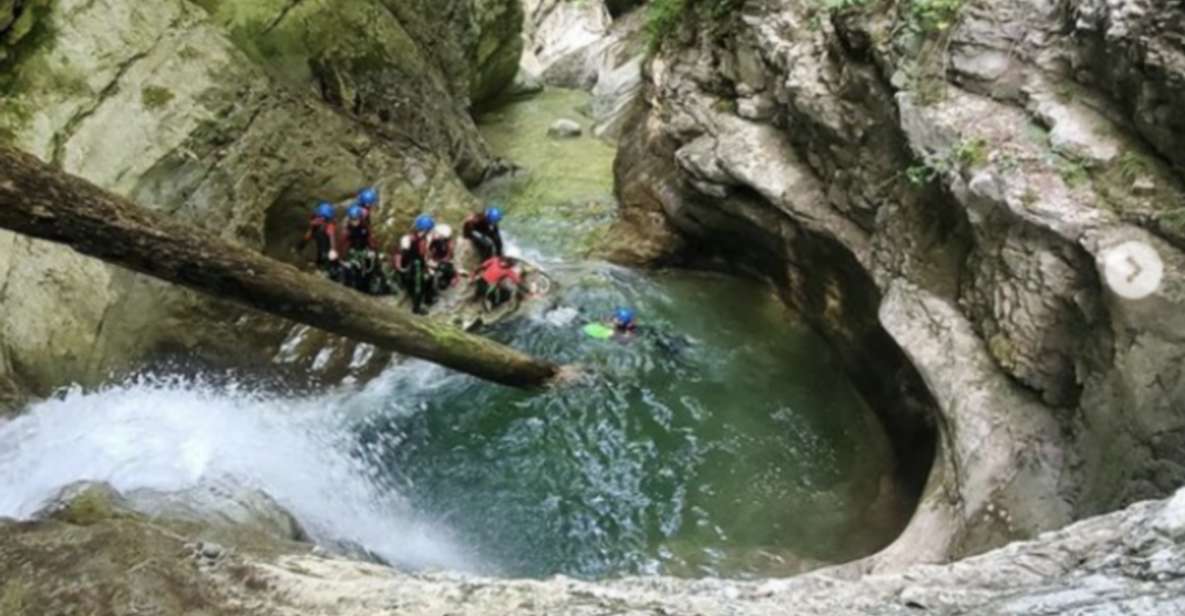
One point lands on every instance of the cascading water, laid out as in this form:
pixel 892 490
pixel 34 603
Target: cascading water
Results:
pixel 722 441
pixel 172 434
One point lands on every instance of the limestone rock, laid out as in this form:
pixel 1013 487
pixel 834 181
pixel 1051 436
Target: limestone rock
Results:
pixel 556 29
pixel 231 509
pixel 1130 49
pixel 525 84
pixel 565 129
pixel 1127 562
pixel 939 212
pixel 614 97
pixel 590 46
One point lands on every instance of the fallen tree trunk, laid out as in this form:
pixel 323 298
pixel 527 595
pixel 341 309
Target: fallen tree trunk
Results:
pixel 43 202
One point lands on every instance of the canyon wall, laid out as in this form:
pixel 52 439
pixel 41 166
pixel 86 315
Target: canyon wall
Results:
pixel 938 186
pixel 238 117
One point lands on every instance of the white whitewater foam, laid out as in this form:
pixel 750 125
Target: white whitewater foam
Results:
pixel 175 434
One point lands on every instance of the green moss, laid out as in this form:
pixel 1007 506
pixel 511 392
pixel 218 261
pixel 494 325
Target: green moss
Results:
pixel 934 15
pixel 156 97
pixel 189 53
pixel 1065 92
pixel 1030 198
pixel 1074 172
pixel 87 508
pixel 1133 166
pixel 664 17
pixel 32 32
pixel 972 152
pixel 1138 189
pixel 1003 350
pixel 211 6
pixel 14 114
pixel 14 598
pixel 842 5
pixel 931 90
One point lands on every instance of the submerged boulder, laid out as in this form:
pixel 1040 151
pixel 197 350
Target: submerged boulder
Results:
pixel 565 129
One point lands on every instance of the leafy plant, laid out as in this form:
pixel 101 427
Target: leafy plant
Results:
pixel 972 152
pixel 1030 198
pixel 664 17
pixel 920 175
pixel 1133 166
pixel 935 15
pixel 1074 173
pixel 155 97
pixel 843 5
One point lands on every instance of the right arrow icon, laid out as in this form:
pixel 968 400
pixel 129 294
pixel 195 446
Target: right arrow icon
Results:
pixel 1133 270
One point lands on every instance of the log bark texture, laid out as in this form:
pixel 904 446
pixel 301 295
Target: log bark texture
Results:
pixel 43 202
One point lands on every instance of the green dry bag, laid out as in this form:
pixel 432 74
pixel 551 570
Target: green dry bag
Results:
pixel 598 331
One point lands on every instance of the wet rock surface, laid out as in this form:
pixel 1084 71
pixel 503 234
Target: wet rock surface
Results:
pixel 594 46
pixel 106 559
pixel 565 129
pixel 939 196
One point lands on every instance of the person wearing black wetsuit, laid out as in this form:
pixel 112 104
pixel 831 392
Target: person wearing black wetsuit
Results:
pixel 482 229
pixel 323 232
pixel 440 257
pixel 358 248
pixel 411 261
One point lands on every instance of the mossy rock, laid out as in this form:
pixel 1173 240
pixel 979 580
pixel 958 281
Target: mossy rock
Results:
pixel 156 97
pixel 86 504
pixel 22 32
pixel 7 14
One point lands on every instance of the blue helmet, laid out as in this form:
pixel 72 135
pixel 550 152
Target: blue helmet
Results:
pixel 325 210
pixel 425 223
pixel 625 316
pixel 355 212
pixel 494 214
pixel 368 197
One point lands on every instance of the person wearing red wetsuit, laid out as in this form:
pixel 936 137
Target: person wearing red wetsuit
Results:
pixel 498 281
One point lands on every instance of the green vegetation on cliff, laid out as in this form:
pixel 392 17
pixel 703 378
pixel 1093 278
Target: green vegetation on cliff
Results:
pixel 23 31
pixel 664 17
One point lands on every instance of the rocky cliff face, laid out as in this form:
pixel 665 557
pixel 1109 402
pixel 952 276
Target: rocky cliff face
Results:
pixel 236 116
pixel 939 186
pixel 593 46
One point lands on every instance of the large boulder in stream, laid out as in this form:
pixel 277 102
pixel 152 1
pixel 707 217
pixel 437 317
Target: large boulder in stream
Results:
pixel 940 193
pixel 564 129
pixel 236 116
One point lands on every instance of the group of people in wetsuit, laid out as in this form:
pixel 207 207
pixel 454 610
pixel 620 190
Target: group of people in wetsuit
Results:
pixel 422 262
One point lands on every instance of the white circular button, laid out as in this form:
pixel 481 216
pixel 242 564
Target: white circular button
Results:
pixel 1133 269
